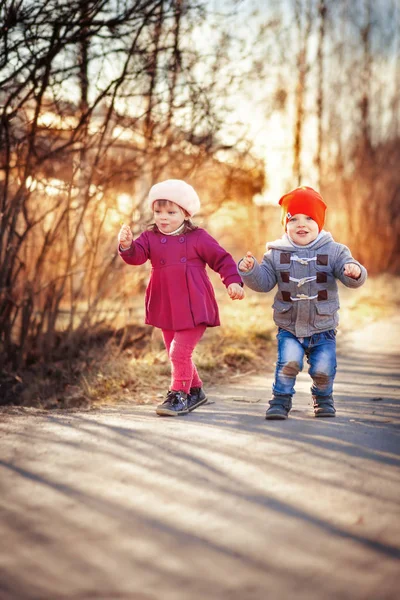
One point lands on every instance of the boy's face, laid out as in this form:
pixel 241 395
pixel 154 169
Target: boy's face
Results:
pixel 302 229
pixel 168 216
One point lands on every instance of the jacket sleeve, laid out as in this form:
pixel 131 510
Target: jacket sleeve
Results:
pixel 139 251
pixel 261 278
pixel 343 257
pixel 217 258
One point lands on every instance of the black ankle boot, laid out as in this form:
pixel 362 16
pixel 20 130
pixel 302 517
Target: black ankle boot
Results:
pixel 279 408
pixel 196 397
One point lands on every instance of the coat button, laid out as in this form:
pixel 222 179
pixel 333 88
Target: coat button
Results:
pixel 183 259
pixel 162 262
pixel 163 240
pixel 181 239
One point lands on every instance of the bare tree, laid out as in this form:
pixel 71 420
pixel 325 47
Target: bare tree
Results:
pixel 322 10
pixel 97 98
pixel 365 78
pixel 303 20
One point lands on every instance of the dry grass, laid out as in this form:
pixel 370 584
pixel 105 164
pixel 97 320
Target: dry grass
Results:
pixel 132 366
pixel 223 352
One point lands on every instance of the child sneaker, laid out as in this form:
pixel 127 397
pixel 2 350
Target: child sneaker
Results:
pixel 174 405
pixel 196 397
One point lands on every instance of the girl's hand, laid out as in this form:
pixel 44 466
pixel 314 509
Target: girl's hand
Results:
pixel 247 262
pixel 352 270
pixel 235 291
pixel 125 237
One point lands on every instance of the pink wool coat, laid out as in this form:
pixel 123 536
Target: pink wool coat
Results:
pixel 179 294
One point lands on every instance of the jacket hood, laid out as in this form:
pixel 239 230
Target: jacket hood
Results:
pixel 286 245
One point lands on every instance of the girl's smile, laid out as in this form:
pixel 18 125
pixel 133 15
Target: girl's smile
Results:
pixel 168 216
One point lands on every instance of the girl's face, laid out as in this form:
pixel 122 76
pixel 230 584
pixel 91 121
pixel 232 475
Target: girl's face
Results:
pixel 302 229
pixel 168 216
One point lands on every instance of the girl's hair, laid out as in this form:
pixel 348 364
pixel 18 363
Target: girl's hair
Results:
pixel 189 226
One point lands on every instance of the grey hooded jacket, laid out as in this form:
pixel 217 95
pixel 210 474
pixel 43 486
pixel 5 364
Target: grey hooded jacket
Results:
pixel 307 300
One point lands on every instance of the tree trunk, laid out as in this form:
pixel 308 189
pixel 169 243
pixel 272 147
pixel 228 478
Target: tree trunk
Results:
pixel 303 30
pixel 322 9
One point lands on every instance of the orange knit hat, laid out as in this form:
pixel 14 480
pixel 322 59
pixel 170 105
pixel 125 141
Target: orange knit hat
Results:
pixel 303 200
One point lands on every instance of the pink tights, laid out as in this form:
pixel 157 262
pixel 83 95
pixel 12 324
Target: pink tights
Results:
pixel 180 346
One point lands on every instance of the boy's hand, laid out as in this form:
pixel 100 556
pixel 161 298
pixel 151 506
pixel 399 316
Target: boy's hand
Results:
pixel 235 291
pixel 125 237
pixel 352 270
pixel 247 262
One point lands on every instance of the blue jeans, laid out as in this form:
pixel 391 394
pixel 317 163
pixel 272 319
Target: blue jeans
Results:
pixel 320 350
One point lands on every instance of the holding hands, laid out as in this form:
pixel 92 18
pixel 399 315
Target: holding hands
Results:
pixel 352 270
pixel 235 291
pixel 247 262
pixel 125 237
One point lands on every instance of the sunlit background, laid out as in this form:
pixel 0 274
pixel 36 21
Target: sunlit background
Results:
pixel 243 99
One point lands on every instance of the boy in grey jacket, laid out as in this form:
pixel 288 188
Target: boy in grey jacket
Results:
pixel 305 264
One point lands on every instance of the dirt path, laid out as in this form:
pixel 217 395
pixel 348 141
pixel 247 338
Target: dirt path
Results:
pixel 121 504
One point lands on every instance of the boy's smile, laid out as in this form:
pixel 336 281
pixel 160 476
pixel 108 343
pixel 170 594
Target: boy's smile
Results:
pixel 302 229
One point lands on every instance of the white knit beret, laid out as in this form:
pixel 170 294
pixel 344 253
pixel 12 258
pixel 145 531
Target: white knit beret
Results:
pixel 177 191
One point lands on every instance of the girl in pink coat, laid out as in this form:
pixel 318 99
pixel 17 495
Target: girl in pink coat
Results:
pixel 179 297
